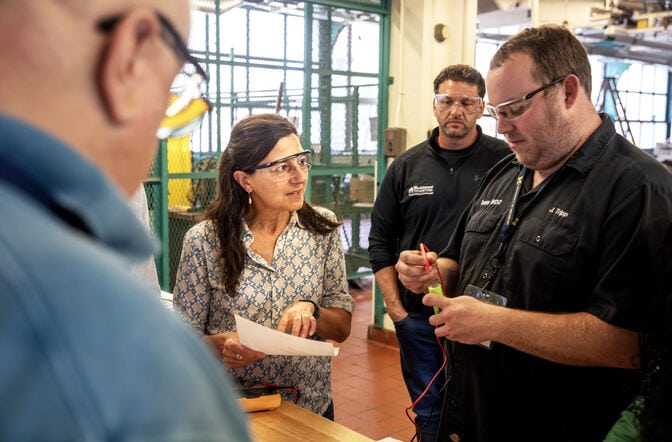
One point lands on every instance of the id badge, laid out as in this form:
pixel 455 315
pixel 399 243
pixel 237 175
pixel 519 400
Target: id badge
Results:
pixel 485 296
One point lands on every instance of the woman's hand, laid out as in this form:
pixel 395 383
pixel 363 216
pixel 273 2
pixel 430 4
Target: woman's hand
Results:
pixel 232 352
pixel 299 319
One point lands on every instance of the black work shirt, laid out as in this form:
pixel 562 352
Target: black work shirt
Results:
pixel 590 242
pixel 421 198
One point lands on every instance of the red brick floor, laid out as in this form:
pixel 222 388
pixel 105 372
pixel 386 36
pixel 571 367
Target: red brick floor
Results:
pixel 369 393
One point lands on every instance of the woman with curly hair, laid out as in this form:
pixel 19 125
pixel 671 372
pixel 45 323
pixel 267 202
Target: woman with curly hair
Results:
pixel 264 253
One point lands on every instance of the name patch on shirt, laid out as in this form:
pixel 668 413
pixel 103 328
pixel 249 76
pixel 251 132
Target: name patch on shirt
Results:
pixel 492 202
pixel 420 190
pixel 558 212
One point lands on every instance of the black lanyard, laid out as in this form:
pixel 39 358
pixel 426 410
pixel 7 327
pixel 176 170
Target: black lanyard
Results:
pixel 510 223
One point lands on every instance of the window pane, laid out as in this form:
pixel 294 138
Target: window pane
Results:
pixel 646 140
pixel 659 133
pixel 646 107
pixel 646 80
pixel 660 85
pixel 658 107
pixel 632 105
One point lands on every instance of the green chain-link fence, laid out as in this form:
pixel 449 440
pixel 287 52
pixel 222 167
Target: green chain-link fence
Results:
pixel 319 66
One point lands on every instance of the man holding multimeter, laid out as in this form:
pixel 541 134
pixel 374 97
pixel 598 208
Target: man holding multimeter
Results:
pixel 420 199
pixel 567 233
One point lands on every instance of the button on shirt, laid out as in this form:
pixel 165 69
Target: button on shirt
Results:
pixel 305 265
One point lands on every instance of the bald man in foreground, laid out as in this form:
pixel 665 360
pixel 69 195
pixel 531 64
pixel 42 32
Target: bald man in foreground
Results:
pixel 88 352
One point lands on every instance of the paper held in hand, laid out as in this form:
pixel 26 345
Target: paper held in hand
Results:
pixel 273 342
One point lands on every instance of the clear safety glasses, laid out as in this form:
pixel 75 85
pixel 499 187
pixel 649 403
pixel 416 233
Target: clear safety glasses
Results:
pixel 283 169
pixel 512 109
pixel 467 103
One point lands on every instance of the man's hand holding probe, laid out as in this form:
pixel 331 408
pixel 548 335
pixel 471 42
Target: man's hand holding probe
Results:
pixel 420 269
pixel 413 271
pixel 460 319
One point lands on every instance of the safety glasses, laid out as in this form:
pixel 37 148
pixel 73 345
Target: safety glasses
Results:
pixel 512 109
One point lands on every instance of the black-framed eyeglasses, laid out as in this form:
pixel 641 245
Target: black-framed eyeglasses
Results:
pixel 468 103
pixel 188 102
pixel 281 169
pixel 512 109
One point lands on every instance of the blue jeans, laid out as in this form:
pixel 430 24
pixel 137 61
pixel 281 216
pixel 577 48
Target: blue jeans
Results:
pixel 421 357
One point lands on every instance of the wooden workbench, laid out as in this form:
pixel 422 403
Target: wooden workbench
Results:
pixel 290 422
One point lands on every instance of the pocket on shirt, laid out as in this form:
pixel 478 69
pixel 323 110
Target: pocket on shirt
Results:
pixel 482 222
pixel 554 239
pixel 478 232
pixel 545 251
pixel 479 227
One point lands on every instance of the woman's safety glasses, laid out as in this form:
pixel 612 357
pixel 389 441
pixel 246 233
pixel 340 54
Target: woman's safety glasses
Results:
pixel 283 169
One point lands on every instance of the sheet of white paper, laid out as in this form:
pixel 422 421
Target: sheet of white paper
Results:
pixel 273 342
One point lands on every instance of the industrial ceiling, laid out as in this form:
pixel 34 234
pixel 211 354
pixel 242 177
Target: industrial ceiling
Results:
pixel 624 30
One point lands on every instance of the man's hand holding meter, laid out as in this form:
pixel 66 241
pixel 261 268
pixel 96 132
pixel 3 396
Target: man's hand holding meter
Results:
pixel 463 318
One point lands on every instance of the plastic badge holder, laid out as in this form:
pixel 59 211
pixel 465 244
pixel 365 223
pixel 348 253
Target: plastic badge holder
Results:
pixel 485 296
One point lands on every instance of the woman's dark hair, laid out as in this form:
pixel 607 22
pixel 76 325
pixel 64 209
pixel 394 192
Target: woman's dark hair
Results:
pixel 251 140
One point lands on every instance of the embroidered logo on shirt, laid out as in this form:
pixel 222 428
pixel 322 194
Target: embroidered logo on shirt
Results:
pixel 420 190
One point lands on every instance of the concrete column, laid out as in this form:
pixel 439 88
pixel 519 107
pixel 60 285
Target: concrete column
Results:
pixel 416 56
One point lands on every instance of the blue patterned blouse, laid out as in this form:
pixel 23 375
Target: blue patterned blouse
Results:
pixel 305 265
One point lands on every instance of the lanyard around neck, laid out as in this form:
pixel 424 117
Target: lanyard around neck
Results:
pixel 511 220
pixel 513 217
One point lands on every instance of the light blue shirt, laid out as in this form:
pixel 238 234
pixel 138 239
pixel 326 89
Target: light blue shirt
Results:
pixel 87 350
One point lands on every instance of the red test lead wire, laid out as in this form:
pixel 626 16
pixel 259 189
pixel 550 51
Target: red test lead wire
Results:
pixel 423 252
pixel 439 290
